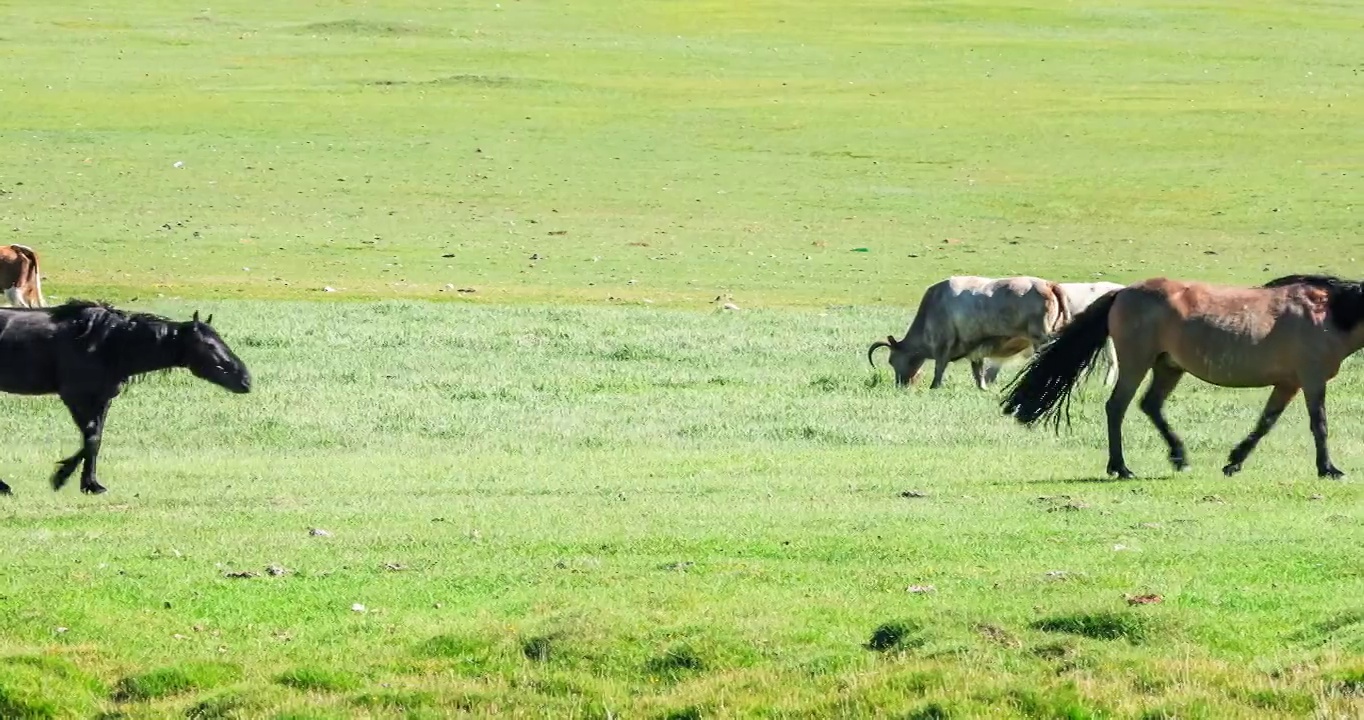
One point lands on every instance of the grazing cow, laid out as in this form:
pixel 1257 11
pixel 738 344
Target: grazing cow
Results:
pixel 975 318
pixel 19 276
pixel 1078 297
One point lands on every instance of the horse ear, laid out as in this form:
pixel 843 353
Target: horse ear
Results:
pixel 196 317
pixel 209 321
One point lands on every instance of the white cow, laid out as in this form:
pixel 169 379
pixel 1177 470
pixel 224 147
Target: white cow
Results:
pixel 1078 297
pixel 976 318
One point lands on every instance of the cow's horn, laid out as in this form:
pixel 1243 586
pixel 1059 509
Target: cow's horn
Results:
pixel 872 349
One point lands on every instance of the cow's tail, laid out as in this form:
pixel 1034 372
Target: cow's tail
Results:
pixel 1064 314
pixel 31 280
pixel 1042 390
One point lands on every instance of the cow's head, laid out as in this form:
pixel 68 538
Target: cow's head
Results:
pixel 905 361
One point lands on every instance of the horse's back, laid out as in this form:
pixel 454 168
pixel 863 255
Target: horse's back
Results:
pixel 1226 335
pixel 28 351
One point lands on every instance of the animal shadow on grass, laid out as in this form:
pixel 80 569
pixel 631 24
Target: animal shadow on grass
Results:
pixel 1090 480
pixel 168 681
pixel 540 647
pixel 895 636
pixel 1127 626
pixel 224 706
pixel 676 663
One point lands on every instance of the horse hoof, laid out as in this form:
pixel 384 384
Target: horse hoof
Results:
pixel 93 489
pixel 1331 472
pixel 1231 469
pixel 4 489
pixel 1122 474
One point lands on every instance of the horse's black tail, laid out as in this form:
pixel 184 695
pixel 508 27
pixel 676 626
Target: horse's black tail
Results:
pixel 1042 390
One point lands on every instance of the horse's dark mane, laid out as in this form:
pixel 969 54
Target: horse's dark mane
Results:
pixel 73 308
pixel 100 323
pixel 1345 298
pixel 1329 282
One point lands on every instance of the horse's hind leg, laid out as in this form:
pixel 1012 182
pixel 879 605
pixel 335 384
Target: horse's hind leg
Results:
pixel 1129 381
pixel 1274 407
pixel 88 412
pixel 65 467
pixel 1315 395
pixel 1164 378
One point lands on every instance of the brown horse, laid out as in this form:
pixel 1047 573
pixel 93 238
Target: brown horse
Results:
pixel 1290 334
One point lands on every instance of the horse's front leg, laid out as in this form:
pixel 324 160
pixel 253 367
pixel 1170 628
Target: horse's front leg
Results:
pixel 1274 407
pixel 93 440
pixel 1316 416
pixel 1164 378
pixel 88 412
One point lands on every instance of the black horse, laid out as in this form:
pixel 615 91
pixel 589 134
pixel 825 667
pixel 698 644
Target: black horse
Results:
pixel 86 352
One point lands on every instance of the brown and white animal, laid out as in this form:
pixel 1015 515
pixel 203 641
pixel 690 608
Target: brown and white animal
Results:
pixel 1078 297
pixel 19 276
pixel 975 318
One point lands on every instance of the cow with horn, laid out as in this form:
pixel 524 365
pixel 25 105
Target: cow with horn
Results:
pixel 975 318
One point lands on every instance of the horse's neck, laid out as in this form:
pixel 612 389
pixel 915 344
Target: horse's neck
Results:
pixel 150 355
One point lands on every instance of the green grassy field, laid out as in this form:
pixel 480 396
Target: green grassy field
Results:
pixel 583 490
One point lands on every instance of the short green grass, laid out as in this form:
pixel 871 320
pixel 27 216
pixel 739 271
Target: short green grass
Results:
pixel 696 148
pixel 582 511
pixel 584 491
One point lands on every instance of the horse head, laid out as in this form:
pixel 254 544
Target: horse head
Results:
pixel 208 356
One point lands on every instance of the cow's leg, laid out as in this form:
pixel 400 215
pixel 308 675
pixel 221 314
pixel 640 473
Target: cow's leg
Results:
pixel 992 372
pixel 940 363
pixel 1278 400
pixel 978 373
pixel 1164 377
pixel 16 299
